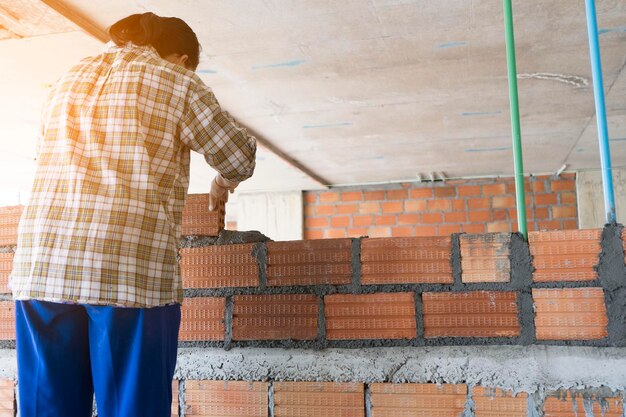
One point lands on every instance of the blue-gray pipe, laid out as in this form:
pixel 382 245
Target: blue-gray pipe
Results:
pixel 598 92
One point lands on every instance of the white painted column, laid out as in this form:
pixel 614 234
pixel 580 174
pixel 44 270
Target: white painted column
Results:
pixel 278 216
pixel 591 213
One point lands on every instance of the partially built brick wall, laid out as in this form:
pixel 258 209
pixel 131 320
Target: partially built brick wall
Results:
pixel 439 208
pixel 561 288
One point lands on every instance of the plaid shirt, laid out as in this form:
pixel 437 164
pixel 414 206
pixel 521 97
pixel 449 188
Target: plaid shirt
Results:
pixel 103 222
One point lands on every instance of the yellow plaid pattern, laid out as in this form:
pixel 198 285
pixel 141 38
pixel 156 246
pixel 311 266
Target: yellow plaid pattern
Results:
pixel 103 222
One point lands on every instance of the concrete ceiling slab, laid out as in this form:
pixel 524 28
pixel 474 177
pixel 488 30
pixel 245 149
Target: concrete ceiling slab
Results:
pixel 364 91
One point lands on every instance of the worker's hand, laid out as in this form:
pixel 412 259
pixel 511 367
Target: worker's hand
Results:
pixel 220 187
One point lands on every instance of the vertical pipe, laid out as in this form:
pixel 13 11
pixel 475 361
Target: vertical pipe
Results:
pixel 598 92
pixel 515 120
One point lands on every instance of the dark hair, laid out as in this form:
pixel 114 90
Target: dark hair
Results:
pixel 168 35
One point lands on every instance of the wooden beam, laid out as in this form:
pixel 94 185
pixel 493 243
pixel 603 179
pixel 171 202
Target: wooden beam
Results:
pixel 78 19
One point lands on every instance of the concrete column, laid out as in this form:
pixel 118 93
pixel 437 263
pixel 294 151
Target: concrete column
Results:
pixel 591 212
pixel 276 215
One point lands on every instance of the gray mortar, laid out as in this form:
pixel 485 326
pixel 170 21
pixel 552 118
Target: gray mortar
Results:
pixel 260 254
pixel 228 322
pixel 419 320
pixel 521 263
pixel 7 249
pixel 469 405
pixel 321 322
pixel 368 400
pixel 356 265
pixel 616 311
pixel 534 405
pixel 526 316
pixel 181 398
pixel 515 368
pixel 455 260
pixel 225 237
pixel 270 399
pixel 612 278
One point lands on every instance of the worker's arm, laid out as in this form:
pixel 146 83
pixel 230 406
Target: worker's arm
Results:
pixel 225 144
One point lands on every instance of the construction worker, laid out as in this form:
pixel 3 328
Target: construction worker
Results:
pixel 95 276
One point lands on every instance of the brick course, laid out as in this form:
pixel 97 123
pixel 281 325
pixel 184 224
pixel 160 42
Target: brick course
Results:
pixel 418 400
pixel 318 399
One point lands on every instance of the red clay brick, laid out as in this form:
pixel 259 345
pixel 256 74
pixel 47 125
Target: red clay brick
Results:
pixel 470 314
pixel 503 202
pixel 225 398
pixel 498 227
pixel 565 255
pixel 6 265
pixel 329 197
pixel 425 231
pixel 563 185
pixel 351 196
pixel 445 192
pixel 373 195
pixel 479 203
pixel 406 260
pixel 417 400
pixel 538 186
pixel 340 221
pixel 357 231
pixel 511 188
pixel 310 197
pixel 413 218
pixel 459 205
pixel 9 221
pixel 7 398
pixel 316 222
pixel 570 314
pixel 369 208
pixel 315 399
pixel 469 190
pixel 473 228
pixel 479 216
pixel 542 213
pixel 421 193
pixel 202 319
pixel 500 215
pixel 387 219
pixel 557 405
pixel 313 234
pixel 485 257
pixel 370 316
pixel 324 210
pixel 415 206
pixel 560 212
pixel 494 189
pixel 219 266
pixel 362 220
pixel 198 220
pixel 174 407
pixel 397 194
pixel 549 225
pixel 439 205
pixel 309 211
pixel 392 207
pixel 432 218
pixel 570 224
pixel 568 198
pixel 546 199
pixel 275 317
pixel 335 233
pixel 455 217
pixel 403 231
pixel 489 402
pixel 347 209
pixel 309 262
pixel 448 229
pixel 379 231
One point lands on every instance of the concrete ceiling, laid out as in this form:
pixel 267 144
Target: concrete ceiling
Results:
pixel 365 91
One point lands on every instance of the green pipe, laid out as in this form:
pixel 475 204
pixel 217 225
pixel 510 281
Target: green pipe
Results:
pixel 515 123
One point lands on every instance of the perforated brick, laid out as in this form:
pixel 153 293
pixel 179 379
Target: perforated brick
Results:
pixel 318 399
pixel 406 260
pixel 6 265
pixel 370 316
pixel 485 257
pixel 489 402
pixel 418 400
pixel 570 314
pixel 565 255
pixel 566 406
pixel 7 320
pixel 219 266
pixel 470 314
pixel 174 411
pixel 7 398
pixel 198 220
pixel 275 317
pixel 202 319
pixel 9 222
pixel 225 399
pixel 309 262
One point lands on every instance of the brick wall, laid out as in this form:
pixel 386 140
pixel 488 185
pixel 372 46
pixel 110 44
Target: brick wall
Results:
pixel 439 209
